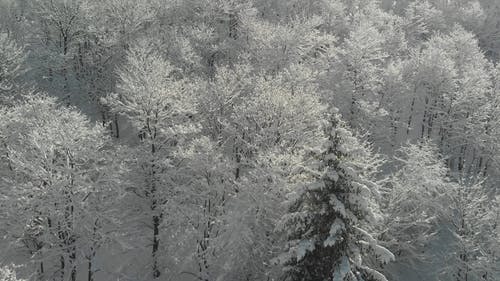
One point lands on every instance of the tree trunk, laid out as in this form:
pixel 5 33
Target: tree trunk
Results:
pixel 62 266
pixel 410 117
pixel 395 121
pixel 156 244
pixel 424 118
pixel 90 274
pixel 238 160
pixel 117 129
pixel 432 116
pixel 72 261
pixel 41 271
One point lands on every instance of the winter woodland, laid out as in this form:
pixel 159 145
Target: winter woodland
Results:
pixel 249 140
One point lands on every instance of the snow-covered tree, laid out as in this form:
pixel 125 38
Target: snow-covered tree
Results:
pixel 422 19
pixel 489 33
pixel 262 124
pixel 58 27
pixel 217 108
pixel 467 106
pixel 416 202
pixel 56 170
pixel 7 273
pixel 329 223
pixel 355 75
pixel 154 98
pixel 11 66
pixel 475 225
pixel 209 190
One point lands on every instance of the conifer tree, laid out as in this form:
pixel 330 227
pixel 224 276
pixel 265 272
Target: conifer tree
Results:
pixel 328 224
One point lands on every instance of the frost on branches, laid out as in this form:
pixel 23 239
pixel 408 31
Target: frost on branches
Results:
pixel 11 60
pixel 474 222
pixel 417 201
pixel 57 186
pixel 7 273
pixel 154 98
pixel 330 218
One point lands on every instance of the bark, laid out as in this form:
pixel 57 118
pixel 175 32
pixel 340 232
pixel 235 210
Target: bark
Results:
pixel 424 118
pixel 117 128
pixel 156 244
pixel 412 105
pixel 90 274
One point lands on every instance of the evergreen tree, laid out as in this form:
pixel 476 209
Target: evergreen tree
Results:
pixel 328 225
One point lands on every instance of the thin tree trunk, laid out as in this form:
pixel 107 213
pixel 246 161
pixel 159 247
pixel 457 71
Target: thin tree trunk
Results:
pixel 410 117
pixel 62 266
pixel 156 244
pixel 154 206
pixel 65 74
pixel 461 159
pixel 72 261
pixel 394 122
pixel 424 118
pixel 486 165
pixel 430 122
pixel 90 258
pixel 90 274
pixel 117 129
pixel 238 160
pixel 41 272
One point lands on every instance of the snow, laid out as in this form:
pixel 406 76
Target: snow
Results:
pixel 383 254
pixel 337 205
pixel 332 175
pixel 376 276
pixel 303 247
pixel 261 129
pixel 342 269
pixel 337 226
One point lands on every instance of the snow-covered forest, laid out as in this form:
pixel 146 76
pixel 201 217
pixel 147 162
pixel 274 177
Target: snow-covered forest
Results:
pixel 249 140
